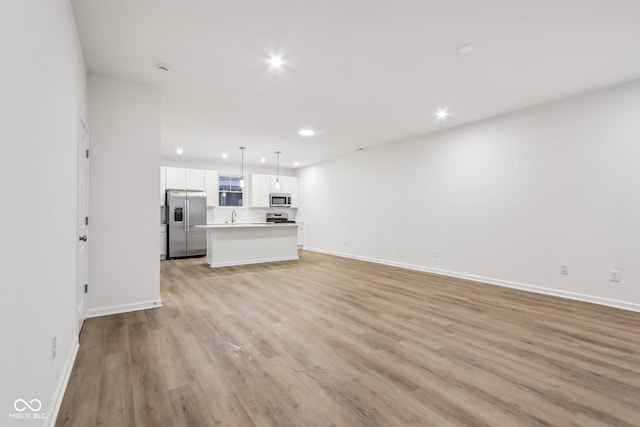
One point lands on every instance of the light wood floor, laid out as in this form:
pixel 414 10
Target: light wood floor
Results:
pixel 328 341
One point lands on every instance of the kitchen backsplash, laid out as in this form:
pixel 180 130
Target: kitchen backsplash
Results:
pixel 220 215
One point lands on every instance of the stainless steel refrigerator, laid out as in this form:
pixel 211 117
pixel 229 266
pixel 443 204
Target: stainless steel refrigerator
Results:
pixel 184 210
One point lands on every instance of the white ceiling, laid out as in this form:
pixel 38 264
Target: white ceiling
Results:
pixel 360 72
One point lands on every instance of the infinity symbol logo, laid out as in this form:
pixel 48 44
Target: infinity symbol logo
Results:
pixel 21 405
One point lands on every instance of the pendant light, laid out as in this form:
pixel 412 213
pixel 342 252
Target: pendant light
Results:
pixel 277 186
pixel 242 168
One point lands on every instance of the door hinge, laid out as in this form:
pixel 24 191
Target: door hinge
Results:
pixel 86 220
pixel 87 153
pixel 86 288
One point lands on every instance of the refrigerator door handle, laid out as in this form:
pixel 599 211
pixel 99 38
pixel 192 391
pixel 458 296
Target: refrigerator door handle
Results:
pixel 186 228
pixel 186 216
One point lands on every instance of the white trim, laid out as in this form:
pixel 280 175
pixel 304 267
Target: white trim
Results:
pixel 492 281
pixel 252 261
pixel 58 394
pixel 124 308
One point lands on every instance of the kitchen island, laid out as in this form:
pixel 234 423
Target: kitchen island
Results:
pixel 250 243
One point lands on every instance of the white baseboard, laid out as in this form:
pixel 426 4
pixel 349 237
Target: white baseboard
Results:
pixel 124 308
pixel 61 388
pixel 253 261
pixel 492 281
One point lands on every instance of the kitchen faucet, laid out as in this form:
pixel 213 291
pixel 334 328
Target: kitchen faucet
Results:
pixel 233 216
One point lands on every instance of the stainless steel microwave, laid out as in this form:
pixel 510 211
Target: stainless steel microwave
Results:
pixel 280 200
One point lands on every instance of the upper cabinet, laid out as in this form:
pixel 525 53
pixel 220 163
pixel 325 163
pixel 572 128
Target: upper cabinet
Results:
pixel 175 179
pixel 189 179
pixel 259 190
pixel 194 179
pixel 184 179
pixel 293 189
pixel 211 187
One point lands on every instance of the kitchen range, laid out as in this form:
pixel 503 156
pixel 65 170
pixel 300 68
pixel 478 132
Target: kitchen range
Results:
pixel 279 218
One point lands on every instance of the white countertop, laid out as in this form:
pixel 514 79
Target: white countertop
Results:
pixel 247 225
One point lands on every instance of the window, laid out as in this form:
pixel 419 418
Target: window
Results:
pixel 229 191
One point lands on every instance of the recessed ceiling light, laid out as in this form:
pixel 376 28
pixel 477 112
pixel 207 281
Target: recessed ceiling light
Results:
pixel 263 160
pixel 296 164
pixel 224 155
pixel 276 62
pixel 465 48
pixel 179 151
pixel 306 132
pixel 441 114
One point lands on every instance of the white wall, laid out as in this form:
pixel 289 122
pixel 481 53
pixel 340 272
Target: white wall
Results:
pixel 506 200
pixel 124 120
pixel 43 91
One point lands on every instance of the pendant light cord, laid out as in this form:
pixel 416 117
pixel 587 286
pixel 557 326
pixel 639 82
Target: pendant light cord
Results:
pixel 242 163
pixel 242 167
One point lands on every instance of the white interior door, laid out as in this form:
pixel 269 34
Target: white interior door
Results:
pixel 82 253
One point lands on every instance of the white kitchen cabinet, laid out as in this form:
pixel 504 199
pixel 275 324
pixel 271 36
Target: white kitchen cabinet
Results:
pixel 184 179
pixel 163 241
pixel 284 184
pixel 292 185
pixel 163 184
pixel 194 179
pixel 272 185
pixel 175 179
pixel 211 187
pixel 300 234
pixel 189 179
pixel 240 244
pixel 259 190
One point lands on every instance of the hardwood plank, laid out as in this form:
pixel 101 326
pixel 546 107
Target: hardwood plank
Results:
pixel 331 341
pixel 190 407
pixel 80 404
pixel 115 405
pixel 149 396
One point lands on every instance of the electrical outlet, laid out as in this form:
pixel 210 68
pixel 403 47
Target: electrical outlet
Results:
pixel 54 347
pixel 564 269
pixel 614 275
pixel 435 253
